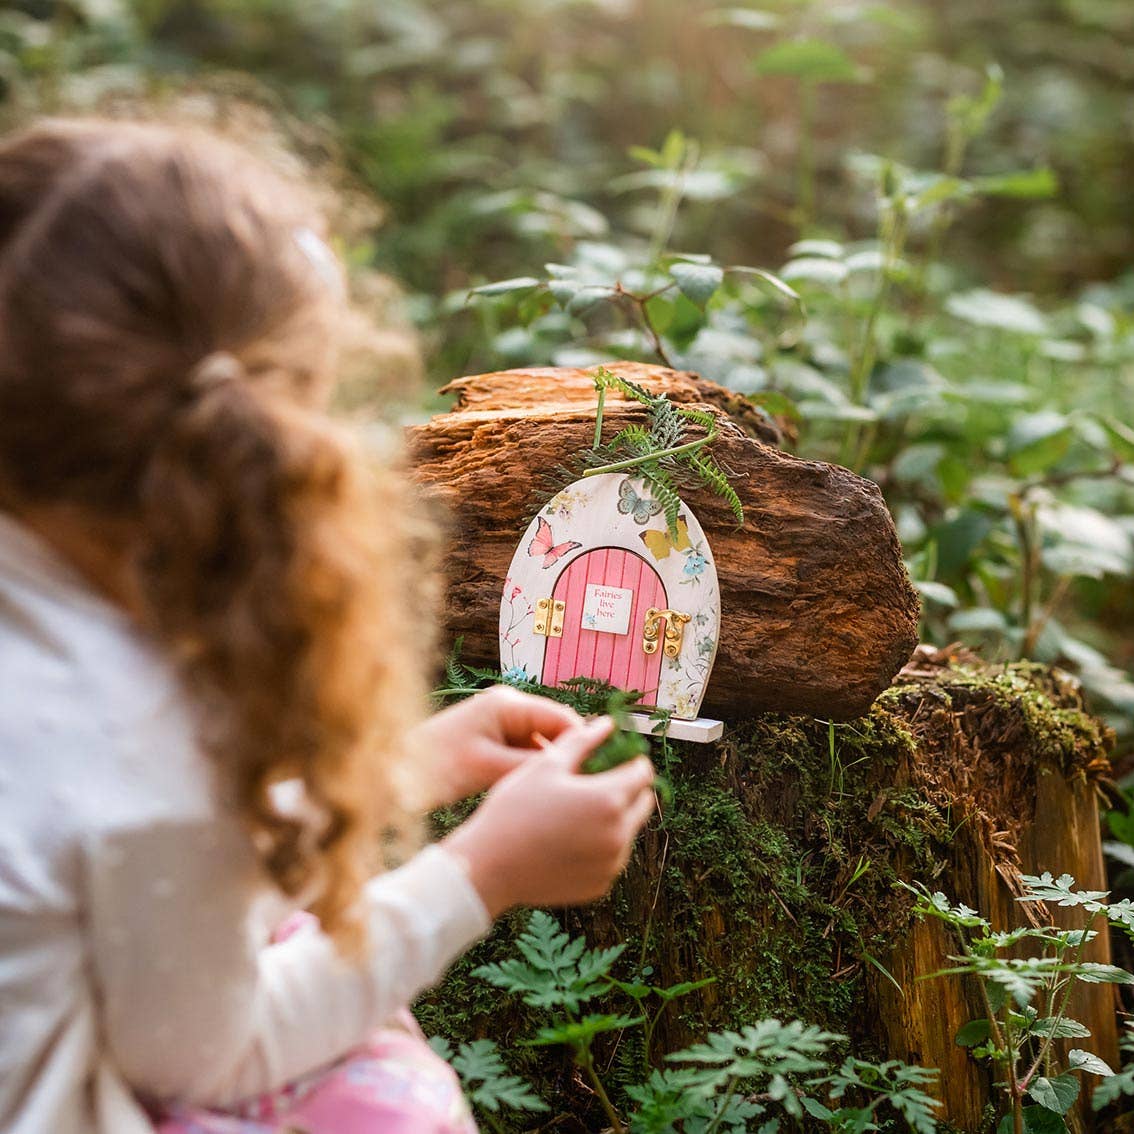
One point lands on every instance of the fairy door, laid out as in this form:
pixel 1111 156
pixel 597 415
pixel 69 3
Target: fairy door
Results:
pixel 604 585
pixel 611 589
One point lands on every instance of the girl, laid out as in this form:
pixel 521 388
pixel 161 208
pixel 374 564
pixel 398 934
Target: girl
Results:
pixel 209 680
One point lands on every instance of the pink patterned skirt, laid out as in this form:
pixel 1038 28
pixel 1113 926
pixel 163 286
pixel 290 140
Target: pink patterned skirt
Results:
pixel 393 1084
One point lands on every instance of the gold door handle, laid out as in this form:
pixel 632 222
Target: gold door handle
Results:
pixel 674 631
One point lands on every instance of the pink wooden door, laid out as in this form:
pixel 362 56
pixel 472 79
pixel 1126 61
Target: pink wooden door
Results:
pixel 617 658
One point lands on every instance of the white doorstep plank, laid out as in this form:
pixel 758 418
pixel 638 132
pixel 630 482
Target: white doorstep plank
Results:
pixel 703 730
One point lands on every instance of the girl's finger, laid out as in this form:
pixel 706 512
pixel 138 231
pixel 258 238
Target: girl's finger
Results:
pixel 524 715
pixel 640 810
pixel 575 744
pixel 627 780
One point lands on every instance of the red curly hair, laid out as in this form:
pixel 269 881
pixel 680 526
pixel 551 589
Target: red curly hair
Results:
pixel 166 312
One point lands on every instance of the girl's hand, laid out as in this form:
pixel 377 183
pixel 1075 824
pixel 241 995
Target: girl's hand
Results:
pixel 548 835
pixel 469 746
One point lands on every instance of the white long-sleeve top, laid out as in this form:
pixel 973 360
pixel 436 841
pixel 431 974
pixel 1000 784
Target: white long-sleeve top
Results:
pixel 133 918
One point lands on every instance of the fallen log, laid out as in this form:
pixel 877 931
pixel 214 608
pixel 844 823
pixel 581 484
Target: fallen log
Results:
pixel 818 612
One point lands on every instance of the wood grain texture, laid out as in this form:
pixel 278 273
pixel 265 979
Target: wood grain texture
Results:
pixel 1020 810
pixel 818 612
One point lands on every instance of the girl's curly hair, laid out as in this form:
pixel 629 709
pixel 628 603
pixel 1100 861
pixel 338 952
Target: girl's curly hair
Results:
pixel 166 319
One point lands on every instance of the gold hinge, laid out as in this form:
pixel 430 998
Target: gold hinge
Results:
pixel 549 617
pixel 674 631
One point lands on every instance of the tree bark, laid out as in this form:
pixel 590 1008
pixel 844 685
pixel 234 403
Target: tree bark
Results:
pixel 818 612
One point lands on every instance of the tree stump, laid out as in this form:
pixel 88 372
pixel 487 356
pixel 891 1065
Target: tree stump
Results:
pixel 964 778
pixel 818 612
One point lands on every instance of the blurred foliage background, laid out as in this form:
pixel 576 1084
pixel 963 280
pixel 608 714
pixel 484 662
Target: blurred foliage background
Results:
pixel 901 227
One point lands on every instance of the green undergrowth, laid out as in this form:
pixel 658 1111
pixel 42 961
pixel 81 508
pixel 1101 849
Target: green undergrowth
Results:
pixel 773 868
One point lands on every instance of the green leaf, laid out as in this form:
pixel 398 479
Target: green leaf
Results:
pixel 1121 825
pixel 937 593
pixel 1059 1028
pixel 634 989
pixel 1084 541
pixel 1047 888
pixel 776 404
pixel 505 287
pixel 1079 1060
pixel 765 1050
pixel 1114 1087
pixel 809 60
pixel 1037 441
pixel 811 409
pixel 771 282
pixel 816 1109
pixel 673 149
pixel 587 297
pixel 1058 1094
pixel 973 1033
pixel 978 620
pixel 645 155
pixel 1090 972
pixel 997 997
pixel 936 904
pixel 970 113
pixel 697 281
pixel 579 1033
pixel 815 269
pixel 748 18
pixel 487 1082
pixel 1121 913
pixel 563 290
pixel 661 312
pixel 1121 438
pixel 899 1084
pixel 1027 184
pixel 683 989
pixel 556 971
pixel 1037 1120
pixel 937 189
pixel 984 308
pixel 830 249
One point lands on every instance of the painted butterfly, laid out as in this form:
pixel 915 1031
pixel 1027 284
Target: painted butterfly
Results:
pixel 661 543
pixel 631 504
pixel 543 543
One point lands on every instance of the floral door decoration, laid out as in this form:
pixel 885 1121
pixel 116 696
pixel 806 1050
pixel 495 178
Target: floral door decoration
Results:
pixel 601 586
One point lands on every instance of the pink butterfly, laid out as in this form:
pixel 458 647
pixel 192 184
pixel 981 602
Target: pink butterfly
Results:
pixel 544 544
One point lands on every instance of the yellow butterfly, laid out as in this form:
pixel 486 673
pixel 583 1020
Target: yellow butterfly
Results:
pixel 661 543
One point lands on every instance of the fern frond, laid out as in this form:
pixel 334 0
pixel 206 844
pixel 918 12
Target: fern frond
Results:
pixel 666 424
pixel 665 492
pixel 708 421
pixel 713 476
pixel 455 675
pixel 604 379
pixel 486 1080
pixel 634 437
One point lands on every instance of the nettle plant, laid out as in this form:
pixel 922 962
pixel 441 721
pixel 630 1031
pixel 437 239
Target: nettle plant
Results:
pixel 999 432
pixel 1026 977
pixel 733 1082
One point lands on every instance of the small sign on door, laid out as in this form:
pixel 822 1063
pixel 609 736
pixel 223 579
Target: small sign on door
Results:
pixel 607 609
